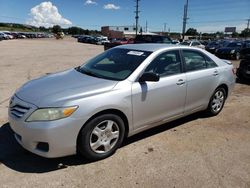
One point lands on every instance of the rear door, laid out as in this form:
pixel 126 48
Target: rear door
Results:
pixel 202 78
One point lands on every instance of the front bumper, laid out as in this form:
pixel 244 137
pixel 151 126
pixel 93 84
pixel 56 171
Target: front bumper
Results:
pixel 60 135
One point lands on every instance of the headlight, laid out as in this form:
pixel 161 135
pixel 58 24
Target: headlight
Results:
pixel 50 114
pixel 232 51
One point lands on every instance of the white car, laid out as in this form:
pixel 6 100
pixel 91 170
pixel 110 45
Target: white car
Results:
pixel 90 109
pixel 194 43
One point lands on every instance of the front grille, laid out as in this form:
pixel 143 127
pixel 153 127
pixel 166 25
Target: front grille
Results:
pixel 18 110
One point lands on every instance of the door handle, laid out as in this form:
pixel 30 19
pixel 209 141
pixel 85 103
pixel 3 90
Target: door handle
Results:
pixel 215 73
pixel 180 82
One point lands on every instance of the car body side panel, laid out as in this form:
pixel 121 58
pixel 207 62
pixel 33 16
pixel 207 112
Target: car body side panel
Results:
pixel 156 101
pixel 200 86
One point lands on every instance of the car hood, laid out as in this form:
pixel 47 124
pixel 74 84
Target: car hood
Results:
pixel 57 89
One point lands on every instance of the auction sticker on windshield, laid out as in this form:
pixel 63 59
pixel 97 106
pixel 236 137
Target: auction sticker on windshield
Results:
pixel 135 53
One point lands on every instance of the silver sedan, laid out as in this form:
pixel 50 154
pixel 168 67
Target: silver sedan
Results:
pixel 90 109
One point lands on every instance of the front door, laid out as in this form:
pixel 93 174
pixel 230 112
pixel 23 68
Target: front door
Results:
pixel 158 101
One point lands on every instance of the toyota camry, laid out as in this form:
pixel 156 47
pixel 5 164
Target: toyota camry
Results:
pixel 90 109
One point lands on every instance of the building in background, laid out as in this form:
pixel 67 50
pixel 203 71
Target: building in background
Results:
pixel 121 31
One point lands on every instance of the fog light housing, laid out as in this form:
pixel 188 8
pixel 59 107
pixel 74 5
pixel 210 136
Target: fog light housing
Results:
pixel 42 146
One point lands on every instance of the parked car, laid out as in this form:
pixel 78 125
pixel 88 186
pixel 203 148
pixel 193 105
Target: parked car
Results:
pixel 213 45
pixel 230 51
pixel 82 38
pixel 118 41
pixel 21 36
pixel 243 72
pixel 204 42
pixel 152 39
pixel 8 35
pixel 102 41
pixel 193 43
pixel 123 91
pixel 175 42
pixel 4 36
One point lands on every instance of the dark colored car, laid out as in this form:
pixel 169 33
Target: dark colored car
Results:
pixel 230 51
pixel 213 45
pixel 152 39
pixel 243 72
pixel 84 39
pixel 117 42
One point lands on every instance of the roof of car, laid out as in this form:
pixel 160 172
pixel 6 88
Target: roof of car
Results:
pixel 147 47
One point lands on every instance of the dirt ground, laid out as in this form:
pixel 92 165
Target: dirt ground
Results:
pixel 195 151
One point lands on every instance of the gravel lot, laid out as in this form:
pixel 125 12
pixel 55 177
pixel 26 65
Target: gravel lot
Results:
pixel 195 151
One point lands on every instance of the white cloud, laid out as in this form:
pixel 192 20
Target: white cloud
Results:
pixel 46 14
pixel 111 7
pixel 90 2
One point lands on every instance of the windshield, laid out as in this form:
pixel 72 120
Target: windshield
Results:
pixel 114 64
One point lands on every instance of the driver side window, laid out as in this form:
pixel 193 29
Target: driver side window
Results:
pixel 166 64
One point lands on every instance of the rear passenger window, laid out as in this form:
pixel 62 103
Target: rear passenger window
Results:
pixel 194 60
pixel 210 62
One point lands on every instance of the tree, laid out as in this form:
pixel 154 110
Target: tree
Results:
pixel 56 29
pixel 41 28
pixel 219 34
pixel 192 32
pixel 235 35
pixel 245 33
pixel 75 30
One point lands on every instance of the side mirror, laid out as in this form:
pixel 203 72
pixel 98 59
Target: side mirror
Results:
pixel 150 77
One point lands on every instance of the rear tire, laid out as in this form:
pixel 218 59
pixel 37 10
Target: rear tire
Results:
pixel 216 102
pixel 101 137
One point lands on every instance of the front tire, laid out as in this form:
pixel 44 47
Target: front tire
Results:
pixel 101 137
pixel 216 102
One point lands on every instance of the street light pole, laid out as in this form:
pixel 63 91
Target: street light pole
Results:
pixel 136 16
pixel 184 19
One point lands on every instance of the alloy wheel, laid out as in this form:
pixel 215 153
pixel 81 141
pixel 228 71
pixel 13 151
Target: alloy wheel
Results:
pixel 104 136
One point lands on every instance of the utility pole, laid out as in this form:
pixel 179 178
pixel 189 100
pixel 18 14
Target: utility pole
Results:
pixel 248 21
pixel 146 28
pixel 136 16
pixel 165 27
pixel 184 20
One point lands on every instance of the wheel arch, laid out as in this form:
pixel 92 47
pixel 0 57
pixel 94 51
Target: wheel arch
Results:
pixel 108 111
pixel 225 87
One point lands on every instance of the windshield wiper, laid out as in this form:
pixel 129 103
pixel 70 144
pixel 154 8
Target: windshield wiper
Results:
pixel 87 72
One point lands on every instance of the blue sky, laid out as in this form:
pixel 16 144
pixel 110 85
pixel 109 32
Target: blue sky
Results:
pixel 204 15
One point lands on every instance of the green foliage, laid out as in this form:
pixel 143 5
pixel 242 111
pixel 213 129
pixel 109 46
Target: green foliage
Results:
pixel 245 33
pixel 192 32
pixel 56 29
pixel 235 35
